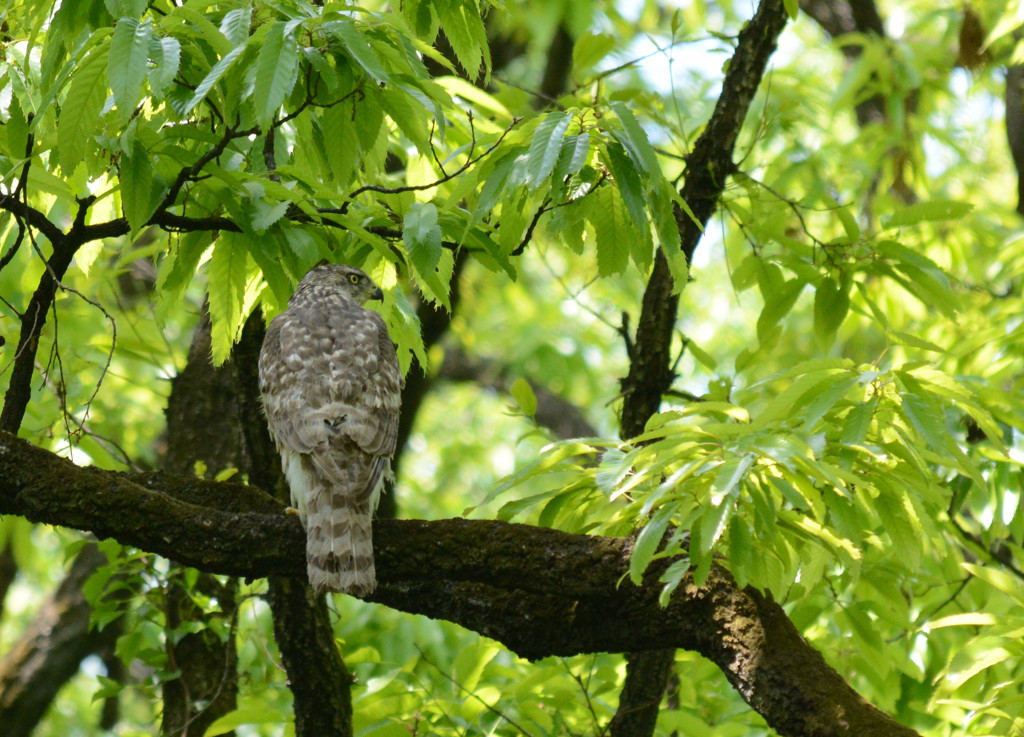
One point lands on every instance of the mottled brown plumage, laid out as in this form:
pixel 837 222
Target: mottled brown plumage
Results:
pixel 331 390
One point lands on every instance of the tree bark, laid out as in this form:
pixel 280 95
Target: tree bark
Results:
pixel 539 591
pixel 317 676
pixel 203 426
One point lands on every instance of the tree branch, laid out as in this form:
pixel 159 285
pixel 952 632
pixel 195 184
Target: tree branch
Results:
pixel 539 591
pixel 651 368
pixel 707 168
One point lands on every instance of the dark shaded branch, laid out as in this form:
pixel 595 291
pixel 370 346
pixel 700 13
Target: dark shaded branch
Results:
pixel 19 390
pixel 8 572
pixel 561 417
pixel 317 676
pixel 202 425
pixel 556 67
pixel 840 18
pixel 647 673
pixel 707 168
pixel 1015 126
pixel 539 591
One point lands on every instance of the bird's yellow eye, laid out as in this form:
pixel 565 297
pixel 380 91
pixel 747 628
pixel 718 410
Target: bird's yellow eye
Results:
pixel 354 278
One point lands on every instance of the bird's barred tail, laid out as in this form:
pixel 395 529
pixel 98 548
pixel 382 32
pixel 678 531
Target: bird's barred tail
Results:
pixel 339 544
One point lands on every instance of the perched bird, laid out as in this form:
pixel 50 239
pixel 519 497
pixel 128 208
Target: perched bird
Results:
pixel 331 390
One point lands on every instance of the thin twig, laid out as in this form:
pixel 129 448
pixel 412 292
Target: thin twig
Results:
pixel 487 706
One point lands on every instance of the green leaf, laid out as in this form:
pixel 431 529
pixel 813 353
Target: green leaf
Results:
pixel 647 543
pixel 627 179
pixel 408 116
pixel 858 421
pixel 79 115
pixel 359 49
pixel 228 272
pixel 778 301
pixel 465 31
pixel 612 229
pixel 545 147
pixel 524 397
pixel 588 50
pixel 831 303
pixel 276 71
pixel 636 142
pixel 126 65
pixel 422 236
pixel 263 213
pixel 340 142
pixel 212 78
pixel 926 212
pixel 138 188
pixel 571 158
pixel 740 550
pixel 825 396
pixel 166 54
pixel 235 25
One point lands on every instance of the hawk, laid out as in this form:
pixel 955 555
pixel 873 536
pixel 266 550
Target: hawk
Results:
pixel 331 390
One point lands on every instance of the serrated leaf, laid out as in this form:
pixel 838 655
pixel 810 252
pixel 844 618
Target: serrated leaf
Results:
pixel 858 421
pixel 913 340
pixel 408 116
pixel 341 143
pixel 263 214
pixel 711 526
pixel 571 158
pixel 126 65
pixel 826 395
pixel 235 25
pixel 636 141
pixel 228 273
pixel 166 53
pixel 465 31
pixel 524 397
pixel 627 179
pixel 212 77
pixel 778 301
pixel 611 228
pixel 545 146
pixel 80 111
pixel 422 235
pixel 266 252
pixel 368 117
pixel 276 70
pixel 359 49
pixel 138 189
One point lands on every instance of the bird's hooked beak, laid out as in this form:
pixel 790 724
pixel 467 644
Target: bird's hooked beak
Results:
pixel 377 294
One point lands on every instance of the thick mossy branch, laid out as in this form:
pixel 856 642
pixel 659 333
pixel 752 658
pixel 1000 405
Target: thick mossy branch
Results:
pixel 539 591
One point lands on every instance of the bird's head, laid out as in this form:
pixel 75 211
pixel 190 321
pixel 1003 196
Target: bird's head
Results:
pixel 349 280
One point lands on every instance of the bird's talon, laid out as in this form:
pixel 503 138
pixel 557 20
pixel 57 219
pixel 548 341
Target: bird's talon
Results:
pixel 291 511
